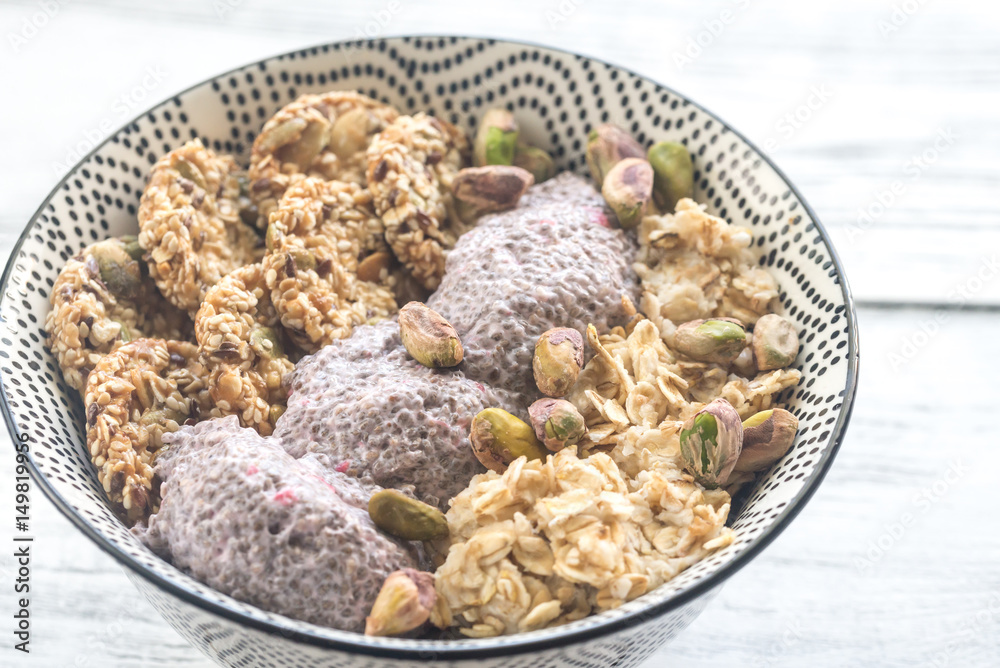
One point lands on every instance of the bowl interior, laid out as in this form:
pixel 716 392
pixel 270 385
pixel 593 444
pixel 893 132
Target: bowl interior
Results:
pixel 557 97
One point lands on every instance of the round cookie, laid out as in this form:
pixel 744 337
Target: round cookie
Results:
pixel 191 223
pixel 242 349
pixel 323 135
pixel 102 299
pixel 319 237
pixel 411 167
pixel 135 395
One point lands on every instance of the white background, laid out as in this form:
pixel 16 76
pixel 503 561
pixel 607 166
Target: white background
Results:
pixel 848 584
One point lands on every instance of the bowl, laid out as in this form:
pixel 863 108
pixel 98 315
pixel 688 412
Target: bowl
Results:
pixel 557 97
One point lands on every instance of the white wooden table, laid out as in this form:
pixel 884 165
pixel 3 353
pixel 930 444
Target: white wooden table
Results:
pixel 894 562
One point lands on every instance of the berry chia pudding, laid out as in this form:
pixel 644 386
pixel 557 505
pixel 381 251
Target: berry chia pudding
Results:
pixel 406 382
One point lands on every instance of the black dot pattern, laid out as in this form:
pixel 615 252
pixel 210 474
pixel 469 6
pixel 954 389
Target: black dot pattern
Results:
pixel 558 98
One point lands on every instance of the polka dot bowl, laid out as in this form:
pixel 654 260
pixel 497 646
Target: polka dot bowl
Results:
pixel 557 97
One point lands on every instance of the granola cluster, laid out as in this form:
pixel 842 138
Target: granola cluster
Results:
pixel 696 265
pixel 135 395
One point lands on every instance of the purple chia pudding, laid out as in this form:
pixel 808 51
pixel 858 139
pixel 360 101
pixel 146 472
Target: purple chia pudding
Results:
pixel 281 522
pixel 286 535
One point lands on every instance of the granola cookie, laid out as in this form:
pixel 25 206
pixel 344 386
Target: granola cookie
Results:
pixel 319 237
pixel 135 395
pixel 102 299
pixel 322 135
pixel 411 167
pixel 190 223
pixel 242 349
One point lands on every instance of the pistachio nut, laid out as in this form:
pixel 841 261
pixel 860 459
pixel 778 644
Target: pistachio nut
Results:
pixel 370 268
pixel 272 237
pixel 275 412
pixel 674 173
pixel 296 140
pixel 303 258
pixel 718 340
pixel 710 443
pixel 607 145
pixel 496 139
pixel 498 438
pixel 428 337
pixel 628 190
pixel 189 171
pixel 482 190
pixel 398 515
pixel 118 271
pixel 535 160
pixel 557 423
pixel 775 343
pixel 265 342
pixel 161 417
pixel 404 603
pixel 558 360
pixel 350 132
pixel 124 333
pixel 132 247
pixel 767 436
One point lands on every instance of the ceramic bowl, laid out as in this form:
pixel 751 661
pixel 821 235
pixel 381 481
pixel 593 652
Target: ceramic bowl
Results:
pixel 558 97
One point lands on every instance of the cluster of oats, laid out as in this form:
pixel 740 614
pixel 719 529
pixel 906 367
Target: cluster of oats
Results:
pixel 695 265
pixel 546 543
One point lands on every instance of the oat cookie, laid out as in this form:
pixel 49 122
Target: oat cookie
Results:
pixel 322 135
pixel 411 167
pixel 338 210
pixel 146 388
pixel 316 297
pixel 241 346
pixel 102 299
pixel 190 223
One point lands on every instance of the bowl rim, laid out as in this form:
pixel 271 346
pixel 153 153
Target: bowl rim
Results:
pixel 510 645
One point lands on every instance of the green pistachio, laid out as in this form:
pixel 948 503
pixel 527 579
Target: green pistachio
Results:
pixel 607 145
pixel 674 173
pixel 498 438
pixel 557 423
pixel 428 337
pixel 628 190
pixel 535 160
pixel 710 443
pixel 767 436
pixel 398 515
pixel 403 604
pixel 775 343
pixel 718 341
pixel 558 360
pixel 496 139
